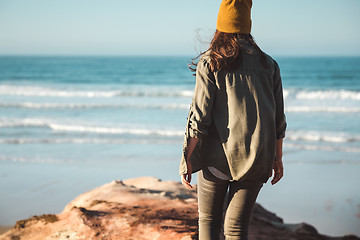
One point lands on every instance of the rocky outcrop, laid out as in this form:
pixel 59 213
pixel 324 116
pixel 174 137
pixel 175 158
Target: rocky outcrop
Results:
pixel 144 208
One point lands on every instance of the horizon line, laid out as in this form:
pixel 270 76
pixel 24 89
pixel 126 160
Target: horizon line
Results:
pixel 167 55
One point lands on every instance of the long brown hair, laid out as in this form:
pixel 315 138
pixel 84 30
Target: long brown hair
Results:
pixel 226 51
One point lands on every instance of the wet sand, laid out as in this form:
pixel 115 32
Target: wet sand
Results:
pixel 4 229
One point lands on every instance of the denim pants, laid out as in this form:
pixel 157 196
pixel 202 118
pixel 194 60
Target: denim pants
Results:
pixel 212 194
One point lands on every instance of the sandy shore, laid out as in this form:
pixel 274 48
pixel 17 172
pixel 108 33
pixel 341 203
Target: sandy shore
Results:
pixel 317 188
pixel 146 208
pixel 4 229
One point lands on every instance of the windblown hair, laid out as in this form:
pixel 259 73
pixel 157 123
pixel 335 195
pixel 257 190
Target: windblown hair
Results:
pixel 226 52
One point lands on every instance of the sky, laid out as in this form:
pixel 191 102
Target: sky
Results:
pixel 159 27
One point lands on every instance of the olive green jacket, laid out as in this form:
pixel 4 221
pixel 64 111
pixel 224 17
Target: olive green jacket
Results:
pixel 237 116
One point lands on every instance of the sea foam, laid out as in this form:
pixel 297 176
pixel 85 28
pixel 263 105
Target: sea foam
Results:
pixel 53 125
pixel 32 105
pixel 54 92
pixel 318 136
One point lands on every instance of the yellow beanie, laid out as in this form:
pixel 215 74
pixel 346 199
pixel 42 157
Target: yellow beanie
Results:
pixel 234 16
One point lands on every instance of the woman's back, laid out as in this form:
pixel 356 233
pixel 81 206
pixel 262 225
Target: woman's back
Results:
pixel 241 136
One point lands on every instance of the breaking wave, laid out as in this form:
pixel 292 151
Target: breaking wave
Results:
pixel 29 122
pixel 315 136
pixel 323 95
pixel 322 109
pixel 162 92
pixel 32 105
pixel 53 92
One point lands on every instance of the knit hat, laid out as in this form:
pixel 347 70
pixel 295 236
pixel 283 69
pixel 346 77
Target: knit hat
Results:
pixel 234 16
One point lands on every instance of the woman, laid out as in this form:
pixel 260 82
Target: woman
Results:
pixel 235 127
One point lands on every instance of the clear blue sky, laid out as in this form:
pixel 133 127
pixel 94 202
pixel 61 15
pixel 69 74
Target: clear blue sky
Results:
pixel 159 27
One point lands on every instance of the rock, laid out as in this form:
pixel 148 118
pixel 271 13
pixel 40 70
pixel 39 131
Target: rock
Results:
pixel 144 208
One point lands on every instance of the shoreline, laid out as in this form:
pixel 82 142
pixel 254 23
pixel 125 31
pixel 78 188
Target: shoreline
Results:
pixel 311 191
pixel 4 229
pixel 147 208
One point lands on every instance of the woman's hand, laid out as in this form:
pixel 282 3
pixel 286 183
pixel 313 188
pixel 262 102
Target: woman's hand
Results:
pixel 278 164
pixel 186 178
pixel 278 171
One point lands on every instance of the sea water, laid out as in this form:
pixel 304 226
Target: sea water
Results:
pixel 69 124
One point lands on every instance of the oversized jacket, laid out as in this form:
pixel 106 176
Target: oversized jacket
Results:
pixel 237 116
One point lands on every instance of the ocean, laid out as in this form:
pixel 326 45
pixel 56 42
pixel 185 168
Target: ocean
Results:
pixel 69 124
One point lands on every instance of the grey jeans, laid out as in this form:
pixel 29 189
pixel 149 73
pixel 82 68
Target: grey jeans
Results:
pixel 241 198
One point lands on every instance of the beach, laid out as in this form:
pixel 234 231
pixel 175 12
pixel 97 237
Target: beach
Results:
pixel 70 124
pixel 147 208
pixel 303 195
pixel 4 229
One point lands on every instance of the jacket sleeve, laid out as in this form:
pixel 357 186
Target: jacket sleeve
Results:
pixel 203 100
pixel 280 118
